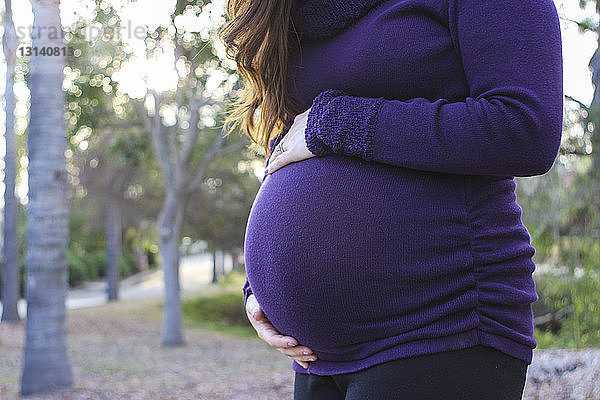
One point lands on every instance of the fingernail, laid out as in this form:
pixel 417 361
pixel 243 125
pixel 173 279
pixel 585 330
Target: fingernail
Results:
pixel 291 344
pixel 306 352
pixel 255 314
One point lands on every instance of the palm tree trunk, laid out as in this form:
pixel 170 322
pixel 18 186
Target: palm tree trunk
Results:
pixel 141 259
pixel 215 275
pixel 170 222
pixel 113 248
pixel 10 270
pixel 46 363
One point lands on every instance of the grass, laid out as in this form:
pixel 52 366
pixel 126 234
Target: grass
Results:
pixel 581 328
pixel 220 308
pixel 116 352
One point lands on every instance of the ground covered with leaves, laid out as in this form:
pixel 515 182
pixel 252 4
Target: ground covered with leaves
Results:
pixel 115 353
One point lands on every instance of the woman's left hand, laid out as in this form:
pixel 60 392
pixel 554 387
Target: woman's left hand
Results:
pixel 293 144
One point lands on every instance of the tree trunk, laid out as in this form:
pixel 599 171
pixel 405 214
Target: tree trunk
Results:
pixel 169 227
pixel 10 269
pixel 141 259
pixel 238 260
pixel 594 116
pixel 235 265
pixel 113 248
pixel 46 363
pixel 174 156
pixel 214 263
pixel 222 262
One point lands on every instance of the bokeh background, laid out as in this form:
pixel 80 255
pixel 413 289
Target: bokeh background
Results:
pixel 158 200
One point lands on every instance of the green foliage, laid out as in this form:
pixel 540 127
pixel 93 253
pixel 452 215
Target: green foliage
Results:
pixel 554 294
pixel 78 270
pixel 115 162
pixel 581 251
pixel 218 211
pixel 543 243
pixel 90 88
pixel 234 279
pixel 86 266
pixel 222 312
pixel 561 211
pixel 582 328
pixel 221 307
pixel 86 233
pixel 96 262
pixel 126 264
pixel 130 149
pixel 581 298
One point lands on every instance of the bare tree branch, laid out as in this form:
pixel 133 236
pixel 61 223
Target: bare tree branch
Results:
pixel 577 101
pixel 208 157
pixel 190 135
pixel 123 125
pixel 141 110
pixel 240 144
pixel 574 152
pixel 215 151
pixel 159 142
pixel 170 133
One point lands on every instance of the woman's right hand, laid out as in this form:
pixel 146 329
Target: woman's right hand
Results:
pixel 267 332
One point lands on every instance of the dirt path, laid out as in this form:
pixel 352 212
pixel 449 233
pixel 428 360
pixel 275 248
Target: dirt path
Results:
pixel 195 274
pixel 116 354
pixel 132 365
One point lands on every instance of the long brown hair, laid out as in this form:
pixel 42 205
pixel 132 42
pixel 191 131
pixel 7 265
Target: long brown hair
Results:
pixel 258 37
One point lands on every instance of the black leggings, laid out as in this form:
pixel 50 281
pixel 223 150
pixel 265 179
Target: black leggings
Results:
pixel 478 372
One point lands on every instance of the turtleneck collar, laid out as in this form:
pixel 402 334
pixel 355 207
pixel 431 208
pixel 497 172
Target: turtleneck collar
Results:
pixel 325 18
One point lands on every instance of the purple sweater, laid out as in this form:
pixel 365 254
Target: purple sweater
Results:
pixel 403 236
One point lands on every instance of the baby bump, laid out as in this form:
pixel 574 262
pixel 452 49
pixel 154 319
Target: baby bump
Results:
pixel 331 239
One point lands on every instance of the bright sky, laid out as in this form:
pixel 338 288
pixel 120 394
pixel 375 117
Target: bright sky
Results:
pixel 139 72
pixel 577 48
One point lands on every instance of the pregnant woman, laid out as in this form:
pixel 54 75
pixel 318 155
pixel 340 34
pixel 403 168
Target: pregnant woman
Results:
pixel 386 239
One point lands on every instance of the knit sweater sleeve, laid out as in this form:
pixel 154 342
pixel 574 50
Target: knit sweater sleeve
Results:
pixel 247 291
pixel 510 124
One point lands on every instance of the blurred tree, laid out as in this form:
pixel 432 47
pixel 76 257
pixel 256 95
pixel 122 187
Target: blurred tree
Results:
pixel 578 227
pixel 562 211
pixel 563 206
pixel 219 211
pixel 91 96
pixel 109 164
pixel 186 148
pixel 46 363
pixel 117 189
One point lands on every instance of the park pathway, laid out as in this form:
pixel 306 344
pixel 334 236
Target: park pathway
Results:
pixel 195 271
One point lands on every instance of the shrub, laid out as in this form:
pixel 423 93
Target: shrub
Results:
pixel 581 327
pixel 78 271
pixel 126 264
pixel 222 312
pixel 221 307
pixel 96 263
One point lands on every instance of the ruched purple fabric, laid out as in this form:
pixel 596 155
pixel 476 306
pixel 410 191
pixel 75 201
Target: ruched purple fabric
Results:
pixel 403 236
